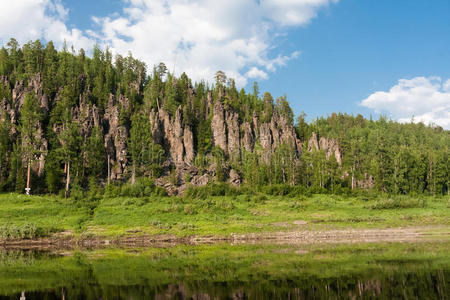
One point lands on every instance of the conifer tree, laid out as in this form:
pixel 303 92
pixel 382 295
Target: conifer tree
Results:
pixel 30 119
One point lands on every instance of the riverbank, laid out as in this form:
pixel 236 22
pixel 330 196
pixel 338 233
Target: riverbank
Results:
pixel 40 220
pixel 297 237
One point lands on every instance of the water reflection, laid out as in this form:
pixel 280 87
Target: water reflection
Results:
pixel 382 271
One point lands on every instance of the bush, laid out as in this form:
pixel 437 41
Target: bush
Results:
pixel 286 190
pixel 143 187
pixel 317 190
pixel 300 190
pixel 77 192
pixel 95 191
pixel 25 231
pixel 277 189
pixel 260 198
pixel 112 191
pixel 210 190
pixel 398 203
pixel 339 190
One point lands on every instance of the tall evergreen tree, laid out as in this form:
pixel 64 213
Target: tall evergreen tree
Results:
pixel 30 119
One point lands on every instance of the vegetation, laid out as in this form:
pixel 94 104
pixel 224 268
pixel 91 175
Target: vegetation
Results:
pixel 217 211
pixel 401 158
pixel 25 231
pixel 221 271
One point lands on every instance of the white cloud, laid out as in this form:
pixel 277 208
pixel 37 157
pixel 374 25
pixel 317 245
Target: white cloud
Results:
pixel 256 73
pixel 426 100
pixel 27 20
pixel 202 36
pixel 293 12
pixel 195 36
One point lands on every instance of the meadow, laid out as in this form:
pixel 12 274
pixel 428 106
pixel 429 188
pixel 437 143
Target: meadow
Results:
pixel 23 217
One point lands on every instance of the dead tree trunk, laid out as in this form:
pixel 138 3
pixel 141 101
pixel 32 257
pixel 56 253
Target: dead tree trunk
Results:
pixel 109 171
pixel 28 189
pixel 68 179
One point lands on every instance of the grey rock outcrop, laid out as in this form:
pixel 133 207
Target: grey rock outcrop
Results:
pixel 176 137
pixel 248 139
pixel 234 178
pixel 117 136
pixel 188 141
pixel 329 146
pixel 218 127
pixel 232 123
pixel 174 131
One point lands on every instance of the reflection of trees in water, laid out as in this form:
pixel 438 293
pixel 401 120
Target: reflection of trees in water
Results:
pixel 229 272
pixel 422 284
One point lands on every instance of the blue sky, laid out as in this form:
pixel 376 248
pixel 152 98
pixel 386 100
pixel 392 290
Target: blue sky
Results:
pixel 358 47
pixel 354 56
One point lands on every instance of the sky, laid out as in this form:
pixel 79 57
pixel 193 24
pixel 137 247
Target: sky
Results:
pixel 353 56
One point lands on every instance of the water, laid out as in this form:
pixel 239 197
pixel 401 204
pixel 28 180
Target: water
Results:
pixel 225 271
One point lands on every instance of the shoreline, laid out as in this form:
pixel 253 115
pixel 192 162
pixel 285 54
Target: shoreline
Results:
pixel 338 236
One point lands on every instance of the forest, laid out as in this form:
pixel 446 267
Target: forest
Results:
pixel 72 124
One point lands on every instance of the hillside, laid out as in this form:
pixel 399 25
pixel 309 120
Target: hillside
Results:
pixel 73 123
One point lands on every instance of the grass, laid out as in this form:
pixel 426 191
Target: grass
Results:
pixel 216 215
pixel 25 231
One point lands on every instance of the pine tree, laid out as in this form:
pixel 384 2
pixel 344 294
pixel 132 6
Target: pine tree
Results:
pixel 50 70
pixel 4 150
pixel 30 119
pixel 95 153
pixel 70 141
pixel 146 156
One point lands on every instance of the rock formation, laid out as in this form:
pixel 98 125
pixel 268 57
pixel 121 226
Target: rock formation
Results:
pixel 171 130
pixel 329 146
pixel 116 137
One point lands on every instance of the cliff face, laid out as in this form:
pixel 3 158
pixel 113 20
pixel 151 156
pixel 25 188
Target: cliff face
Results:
pixel 229 133
pixel 329 146
pixel 116 136
pixel 10 109
pixel 232 136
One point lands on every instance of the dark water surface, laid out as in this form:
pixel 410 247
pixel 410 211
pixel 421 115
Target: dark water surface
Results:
pixel 225 271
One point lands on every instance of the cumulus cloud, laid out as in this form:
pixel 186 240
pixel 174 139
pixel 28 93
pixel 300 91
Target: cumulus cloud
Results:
pixel 27 20
pixel 256 73
pixel 422 99
pixel 202 36
pixel 198 37
pixel 293 12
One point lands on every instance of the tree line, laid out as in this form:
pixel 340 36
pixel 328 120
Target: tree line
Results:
pixel 398 158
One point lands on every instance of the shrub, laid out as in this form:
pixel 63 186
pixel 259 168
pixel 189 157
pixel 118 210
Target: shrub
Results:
pixel 25 231
pixel 398 202
pixel 112 191
pixel 77 192
pixel 143 187
pixel 317 190
pixel 210 190
pixel 260 198
pixel 277 189
pixel 339 190
pixel 286 190
pixel 300 190
pixel 95 191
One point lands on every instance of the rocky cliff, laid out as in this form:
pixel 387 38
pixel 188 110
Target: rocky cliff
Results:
pixel 229 131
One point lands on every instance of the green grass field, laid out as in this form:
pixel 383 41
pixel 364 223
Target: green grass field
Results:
pixel 219 215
